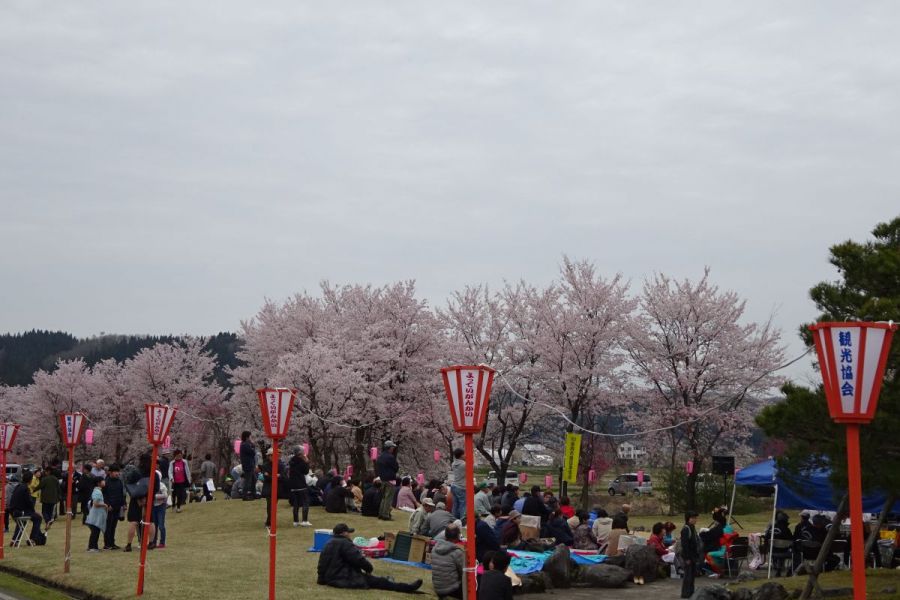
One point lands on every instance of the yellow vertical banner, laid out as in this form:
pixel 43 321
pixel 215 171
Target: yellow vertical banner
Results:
pixel 573 451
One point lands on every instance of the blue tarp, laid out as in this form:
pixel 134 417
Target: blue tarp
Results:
pixel 812 490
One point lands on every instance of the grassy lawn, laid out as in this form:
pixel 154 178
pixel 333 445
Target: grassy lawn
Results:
pixel 876 580
pixel 217 549
pixel 221 549
pixel 19 588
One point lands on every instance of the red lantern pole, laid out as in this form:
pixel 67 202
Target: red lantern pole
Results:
pixel 148 519
pixel 273 519
pixel 468 391
pixel 470 518
pixel 159 421
pixel 2 502
pixel 276 405
pixel 71 427
pixel 69 508
pixel 852 358
pixel 854 477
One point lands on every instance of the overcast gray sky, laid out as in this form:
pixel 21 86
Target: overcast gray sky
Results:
pixel 165 166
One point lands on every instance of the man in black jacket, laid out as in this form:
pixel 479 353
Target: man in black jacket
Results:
pixel 248 465
pixel 371 504
pixel 114 497
pixel 85 487
pixel 534 505
pixel 298 469
pixel 386 467
pixel 21 504
pixel 342 565
pixel 690 553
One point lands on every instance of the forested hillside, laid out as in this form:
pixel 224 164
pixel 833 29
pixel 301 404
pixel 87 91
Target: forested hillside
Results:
pixel 22 354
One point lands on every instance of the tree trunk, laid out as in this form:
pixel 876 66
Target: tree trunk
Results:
pixel 873 535
pixel 825 550
pixel 691 484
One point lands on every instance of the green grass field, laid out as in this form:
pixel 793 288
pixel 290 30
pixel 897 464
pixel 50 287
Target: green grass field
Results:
pixel 220 549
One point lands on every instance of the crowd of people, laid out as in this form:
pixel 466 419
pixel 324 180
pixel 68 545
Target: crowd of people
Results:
pixel 104 495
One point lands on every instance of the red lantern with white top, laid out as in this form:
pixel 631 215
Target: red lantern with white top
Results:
pixel 8 433
pixel 852 358
pixel 468 391
pixel 72 426
pixel 276 405
pixel 159 421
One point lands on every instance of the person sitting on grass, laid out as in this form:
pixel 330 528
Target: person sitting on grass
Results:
pixel 494 584
pixel 417 519
pixel 558 529
pixel 437 520
pixel 584 537
pixel 342 565
pixel 336 500
pixel 447 561
pixel 371 503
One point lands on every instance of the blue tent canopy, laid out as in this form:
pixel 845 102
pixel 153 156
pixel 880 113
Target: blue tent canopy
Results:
pixel 813 490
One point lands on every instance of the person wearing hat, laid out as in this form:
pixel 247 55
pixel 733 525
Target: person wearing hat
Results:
pixel 342 565
pixel 510 536
pixel 180 476
pixel 438 519
pixel 387 467
pixel 483 500
pixel 417 519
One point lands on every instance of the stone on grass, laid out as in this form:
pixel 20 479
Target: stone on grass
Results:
pixel 771 591
pixel 560 567
pixel 712 592
pixel 602 576
pixel 642 562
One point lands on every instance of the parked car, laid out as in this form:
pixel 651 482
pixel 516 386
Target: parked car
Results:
pixel 13 469
pixel 511 477
pixel 627 483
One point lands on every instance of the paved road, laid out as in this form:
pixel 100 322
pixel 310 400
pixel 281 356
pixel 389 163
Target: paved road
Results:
pixel 662 589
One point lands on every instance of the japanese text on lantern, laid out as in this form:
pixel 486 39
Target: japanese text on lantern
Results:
pixel 157 423
pixel 845 341
pixel 469 396
pixel 70 426
pixel 273 411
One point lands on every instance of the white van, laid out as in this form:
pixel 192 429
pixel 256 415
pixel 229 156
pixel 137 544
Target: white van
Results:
pixel 511 477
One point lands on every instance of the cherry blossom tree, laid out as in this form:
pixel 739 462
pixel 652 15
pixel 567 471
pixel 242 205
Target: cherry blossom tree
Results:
pixel 363 359
pixel 500 330
pixel 182 374
pixel 699 366
pixel 584 321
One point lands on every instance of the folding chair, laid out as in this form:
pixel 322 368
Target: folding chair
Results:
pixel 22 524
pixel 840 547
pixel 782 551
pixel 737 553
pixel 809 552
